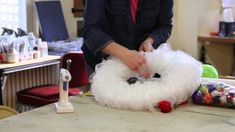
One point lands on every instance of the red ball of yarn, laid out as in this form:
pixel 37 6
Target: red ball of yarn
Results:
pixel 165 106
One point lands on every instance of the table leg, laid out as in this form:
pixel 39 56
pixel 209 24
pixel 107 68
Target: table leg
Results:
pixel 203 54
pixel 232 73
pixel 1 86
pixel 3 79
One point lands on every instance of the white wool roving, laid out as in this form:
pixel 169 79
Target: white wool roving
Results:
pixel 180 77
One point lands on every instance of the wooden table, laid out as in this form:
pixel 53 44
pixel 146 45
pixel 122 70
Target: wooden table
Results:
pixel 208 40
pixel 90 116
pixel 216 40
pixel 24 65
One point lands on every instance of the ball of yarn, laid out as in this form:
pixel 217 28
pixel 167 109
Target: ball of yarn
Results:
pixel 165 106
pixel 209 71
pixel 198 97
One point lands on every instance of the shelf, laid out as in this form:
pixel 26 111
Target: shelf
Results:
pixel 216 40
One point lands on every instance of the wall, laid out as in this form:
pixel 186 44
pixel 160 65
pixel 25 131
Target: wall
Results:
pixel 184 35
pixel 208 16
pixel 71 22
pixel 32 21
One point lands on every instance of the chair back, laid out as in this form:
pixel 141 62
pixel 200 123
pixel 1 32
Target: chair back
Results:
pixel 77 68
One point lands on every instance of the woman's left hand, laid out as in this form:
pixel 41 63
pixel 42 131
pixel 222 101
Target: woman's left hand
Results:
pixel 147 45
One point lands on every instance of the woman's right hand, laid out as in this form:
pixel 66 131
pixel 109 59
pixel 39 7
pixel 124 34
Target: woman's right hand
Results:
pixel 133 59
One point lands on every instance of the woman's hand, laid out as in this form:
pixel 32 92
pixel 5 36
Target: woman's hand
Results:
pixel 147 45
pixel 133 59
pixel 136 62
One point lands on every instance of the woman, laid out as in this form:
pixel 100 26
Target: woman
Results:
pixel 120 28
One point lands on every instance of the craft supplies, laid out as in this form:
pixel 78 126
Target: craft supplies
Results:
pixel 215 93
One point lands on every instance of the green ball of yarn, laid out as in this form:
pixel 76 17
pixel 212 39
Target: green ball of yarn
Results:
pixel 209 71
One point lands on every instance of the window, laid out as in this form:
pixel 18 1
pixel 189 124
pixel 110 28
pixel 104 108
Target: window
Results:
pixel 228 3
pixel 13 14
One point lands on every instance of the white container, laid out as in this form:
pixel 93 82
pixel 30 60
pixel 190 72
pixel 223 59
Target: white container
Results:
pixel 32 40
pixel 12 58
pixel 30 55
pixel 43 48
pixel 228 15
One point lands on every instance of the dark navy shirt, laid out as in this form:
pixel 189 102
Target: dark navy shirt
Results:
pixel 106 21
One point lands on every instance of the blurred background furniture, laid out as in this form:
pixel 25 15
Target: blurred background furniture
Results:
pixel 53 28
pixel 45 94
pixel 6 112
pixel 28 73
pixel 78 8
pixel 212 42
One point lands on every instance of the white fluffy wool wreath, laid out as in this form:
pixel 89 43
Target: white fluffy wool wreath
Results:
pixel 180 77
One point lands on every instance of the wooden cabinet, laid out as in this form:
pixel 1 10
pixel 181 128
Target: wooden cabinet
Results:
pixel 78 8
pixel 77 11
pixel 207 40
pixel 225 55
pixel 216 40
